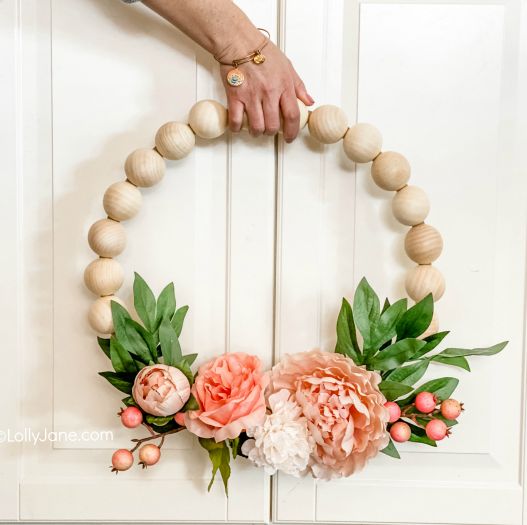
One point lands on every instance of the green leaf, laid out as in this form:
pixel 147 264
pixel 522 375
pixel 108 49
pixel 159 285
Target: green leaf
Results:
pixel 458 361
pixel 385 330
pixel 393 390
pixel 105 345
pixel 119 381
pixel 128 334
pixel 491 350
pixel 234 444
pixel 425 440
pixel 442 388
pixel 191 404
pixel 408 375
pixel 391 450
pixel 386 305
pixel 366 311
pixel 158 421
pixel 130 402
pixel 431 342
pixel 170 348
pixel 397 354
pixel 416 319
pixel 166 304
pixel 185 368
pixel 122 361
pixel 220 458
pixel 190 358
pixel 347 334
pixel 178 319
pixel 144 302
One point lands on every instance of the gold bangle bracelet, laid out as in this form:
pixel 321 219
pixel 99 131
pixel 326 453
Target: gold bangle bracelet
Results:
pixel 235 77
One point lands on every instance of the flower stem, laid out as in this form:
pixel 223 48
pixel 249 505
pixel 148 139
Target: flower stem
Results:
pixel 160 435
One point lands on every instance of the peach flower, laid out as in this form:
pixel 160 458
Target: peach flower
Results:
pixel 344 408
pixel 161 390
pixel 230 393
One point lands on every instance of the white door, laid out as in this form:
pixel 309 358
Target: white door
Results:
pixel 262 242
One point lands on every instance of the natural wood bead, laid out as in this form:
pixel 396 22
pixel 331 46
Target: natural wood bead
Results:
pixel 144 167
pixel 362 142
pixel 122 201
pixel 328 124
pixel 432 329
pixel 100 314
pixel 410 205
pixel 107 238
pixel 390 171
pixel 175 140
pixel 424 279
pixel 423 244
pixel 103 276
pixel 208 119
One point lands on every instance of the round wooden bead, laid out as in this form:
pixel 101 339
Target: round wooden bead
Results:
pixel 423 244
pixel 390 171
pixel 100 314
pixel 424 279
pixel 208 119
pixel 432 329
pixel 144 167
pixel 304 116
pixel 103 276
pixel 328 124
pixel 410 205
pixel 175 140
pixel 122 201
pixel 362 142
pixel 107 238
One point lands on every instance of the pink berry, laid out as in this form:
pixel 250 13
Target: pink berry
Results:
pixel 393 410
pixel 122 459
pixel 400 432
pixel 425 402
pixel 131 417
pixel 149 455
pixel 436 429
pixel 451 409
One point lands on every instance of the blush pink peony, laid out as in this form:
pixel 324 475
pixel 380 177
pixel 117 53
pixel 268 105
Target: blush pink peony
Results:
pixel 161 390
pixel 230 393
pixel 343 406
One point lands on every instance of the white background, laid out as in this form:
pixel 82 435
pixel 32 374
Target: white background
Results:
pixel 262 239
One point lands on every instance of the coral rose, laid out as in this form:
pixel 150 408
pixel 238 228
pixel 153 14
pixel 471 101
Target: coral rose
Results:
pixel 161 390
pixel 344 408
pixel 230 393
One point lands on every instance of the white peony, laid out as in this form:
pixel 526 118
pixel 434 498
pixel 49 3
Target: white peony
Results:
pixel 282 442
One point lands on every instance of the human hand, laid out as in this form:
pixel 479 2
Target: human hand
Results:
pixel 268 96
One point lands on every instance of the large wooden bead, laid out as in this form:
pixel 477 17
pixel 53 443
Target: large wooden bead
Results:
pixel 100 314
pixel 103 276
pixel 423 244
pixel 175 140
pixel 122 201
pixel 410 205
pixel 328 124
pixel 390 171
pixel 304 116
pixel 107 238
pixel 208 119
pixel 144 167
pixel 424 279
pixel 362 142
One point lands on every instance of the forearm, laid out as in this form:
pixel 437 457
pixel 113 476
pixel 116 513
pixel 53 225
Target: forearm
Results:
pixel 219 26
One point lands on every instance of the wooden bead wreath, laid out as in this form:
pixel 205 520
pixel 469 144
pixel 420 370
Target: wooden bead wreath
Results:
pixel 207 119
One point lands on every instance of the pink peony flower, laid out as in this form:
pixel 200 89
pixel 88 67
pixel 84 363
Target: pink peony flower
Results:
pixel 343 405
pixel 230 392
pixel 161 390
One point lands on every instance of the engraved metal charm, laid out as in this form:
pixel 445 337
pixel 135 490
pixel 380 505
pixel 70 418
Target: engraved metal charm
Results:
pixel 235 77
pixel 259 58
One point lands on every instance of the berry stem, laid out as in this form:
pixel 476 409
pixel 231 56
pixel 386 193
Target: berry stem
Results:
pixel 160 435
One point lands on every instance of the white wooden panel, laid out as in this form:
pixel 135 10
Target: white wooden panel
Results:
pixel 440 81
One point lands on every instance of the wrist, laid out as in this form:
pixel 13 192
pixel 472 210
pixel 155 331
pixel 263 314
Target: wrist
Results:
pixel 242 44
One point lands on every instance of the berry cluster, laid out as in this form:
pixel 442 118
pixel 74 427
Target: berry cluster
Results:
pixel 149 454
pixel 425 413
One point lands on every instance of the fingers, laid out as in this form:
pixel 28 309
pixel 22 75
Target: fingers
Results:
pixel 301 92
pixel 236 108
pixel 255 116
pixel 290 115
pixel 271 109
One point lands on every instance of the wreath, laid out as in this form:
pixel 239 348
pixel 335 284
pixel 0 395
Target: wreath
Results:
pixel 317 413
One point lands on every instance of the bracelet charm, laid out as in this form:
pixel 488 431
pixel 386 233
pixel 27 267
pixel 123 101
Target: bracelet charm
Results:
pixel 235 77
